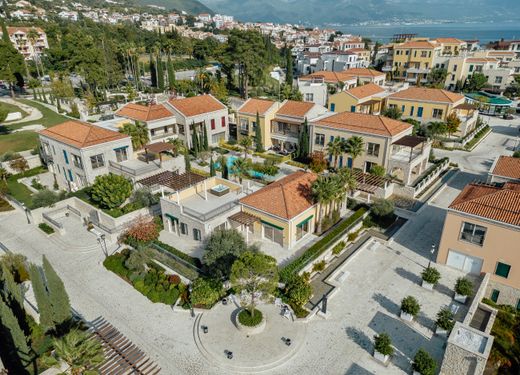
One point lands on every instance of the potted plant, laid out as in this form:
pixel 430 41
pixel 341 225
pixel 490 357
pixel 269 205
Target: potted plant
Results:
pixel 383 347
pixel 409 308
pixel 430 277
pixel 423 363
pixel 444 322
pixel 463 289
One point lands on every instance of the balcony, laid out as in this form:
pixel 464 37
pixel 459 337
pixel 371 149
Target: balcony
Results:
pixel 418 70
pixel 387 68
pixel 133 168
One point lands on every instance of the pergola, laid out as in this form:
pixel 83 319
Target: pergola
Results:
pixel 157 149
pixel 369 183
pixel 245 220
pixel 173 180
pixel 411 141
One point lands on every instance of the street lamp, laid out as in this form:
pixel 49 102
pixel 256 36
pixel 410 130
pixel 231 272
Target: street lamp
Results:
pixel 103 244
pixel 432 251
pixel 190 289
pixel 26 210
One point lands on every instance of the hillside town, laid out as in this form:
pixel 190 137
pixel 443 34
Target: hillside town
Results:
pixel 192 194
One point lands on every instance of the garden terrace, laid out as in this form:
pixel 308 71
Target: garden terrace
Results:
pixel 369 183
pixel 172 180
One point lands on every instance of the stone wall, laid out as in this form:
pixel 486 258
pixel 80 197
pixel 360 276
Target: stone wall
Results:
pixel 460 361
pixel 508 295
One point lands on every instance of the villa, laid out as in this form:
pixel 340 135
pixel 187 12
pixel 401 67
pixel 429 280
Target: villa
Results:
pixel 368 98
pixel 246 114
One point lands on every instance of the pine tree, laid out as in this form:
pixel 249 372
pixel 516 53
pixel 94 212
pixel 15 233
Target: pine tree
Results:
pixel 42 297
pixel 9 288
pixel 211 167
pixel 12 333
pixel 58 297
pixel 160 73
pixel 205 139
pixel 153 72
pixel 171 74
pixel 258 135
pixel 187 164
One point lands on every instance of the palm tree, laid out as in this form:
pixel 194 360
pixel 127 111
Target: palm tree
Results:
pixel 323 192
pixel 79 350
pixel 348 181
pixel 139 133
pixel 354 146
pixel 241 168
pixel 246 143
pixel 436 129
pixel 335 149
pixel 178 146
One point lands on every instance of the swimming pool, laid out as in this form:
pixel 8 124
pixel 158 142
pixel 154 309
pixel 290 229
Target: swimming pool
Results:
pixel 230 160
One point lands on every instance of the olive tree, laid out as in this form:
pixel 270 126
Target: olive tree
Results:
pixel 111 190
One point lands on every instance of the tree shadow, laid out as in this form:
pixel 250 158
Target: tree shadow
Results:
pixel 386 303
pixel 414 278
pixel 360 338
pixel 425 321
pixel 356 369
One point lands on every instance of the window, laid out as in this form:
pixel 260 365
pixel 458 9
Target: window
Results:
pixel 196 234
pixel 223 121
pixel 76 160
pixel 97 161
pixel 470 68
pixel 244 125
pixel 498 79
pixel 368 166
pixel 181 129
pixel 70 176
pixel 502 270
pixel 352 108
pixel 455 67
pixel 273 234
pixel 152 132
pixel 419 111
pixel 494 295
pixel 121 154
pixel 66 157
pixel 319 139
pixel 332 107
pixel 437 113
pixel 309 97
pixel 184 228
pixel 424 53
pixel 165 129
pixel 53 150
pixel 473 233
pixel 373 149
pixel 303 228
pixel 412 110
pixel 402 109
pixel 212 124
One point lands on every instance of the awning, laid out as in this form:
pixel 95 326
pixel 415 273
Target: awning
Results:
pixel 410 141
pixel 271 225
pixel 305 221
pixel 171 217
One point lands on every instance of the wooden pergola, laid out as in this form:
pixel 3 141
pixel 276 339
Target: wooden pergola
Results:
pixel 369 183
pixel 157 149
pixel 173 180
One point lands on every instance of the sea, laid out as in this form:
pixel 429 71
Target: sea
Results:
pixel 484 32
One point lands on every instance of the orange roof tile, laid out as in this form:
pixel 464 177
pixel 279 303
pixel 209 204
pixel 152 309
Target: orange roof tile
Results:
pixel 328 77
pixel 14 29
pixel 81 134
pixel 293 108
pixel 145 113
pixel 507 166
pixel 285 198
pixel 427 94
pixel 365 91
pixel 364 123
pixel 499 203
pixel 196 105
pixel 363 72
pixel 450 41
pixel 254 106
pixel 423 44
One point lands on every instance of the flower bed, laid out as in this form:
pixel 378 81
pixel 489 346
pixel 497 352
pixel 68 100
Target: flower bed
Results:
pixel 477 137
pixel 321 246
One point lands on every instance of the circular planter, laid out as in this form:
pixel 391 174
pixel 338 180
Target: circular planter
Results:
pixel 259 328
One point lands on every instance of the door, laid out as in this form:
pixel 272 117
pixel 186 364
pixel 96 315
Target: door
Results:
pixel 464 262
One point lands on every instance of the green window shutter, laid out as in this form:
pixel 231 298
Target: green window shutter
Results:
pixel 305 221
pixel 502 270
pixel 494 295
pixel 171 217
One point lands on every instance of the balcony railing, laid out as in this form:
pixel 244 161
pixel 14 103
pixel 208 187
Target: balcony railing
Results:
pixel 211 214
pixel 133 172
pixel 418 70
pixel 285 133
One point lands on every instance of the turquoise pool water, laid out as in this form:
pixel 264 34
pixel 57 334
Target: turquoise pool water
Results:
pixel 231 159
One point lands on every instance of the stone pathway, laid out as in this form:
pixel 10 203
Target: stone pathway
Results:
pixel 33 113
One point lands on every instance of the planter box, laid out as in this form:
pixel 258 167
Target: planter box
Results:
pixel 427 285
pixel 406 316
pixel 441 331
pixel 381 357
pixel 460 298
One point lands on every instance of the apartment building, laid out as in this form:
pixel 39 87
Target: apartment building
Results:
pixel 337 61
pixel 31 42
pixel 159 120
pixel 427 104
pixel 315 87
pixel 365 75
pixel 76 152
pixel 363 56
pixel 481 235
pixel 247 117
pixel 367 98
pixel 285 126
pixel 452 46
pixel 195 113
pixel 387 142
pixel 413 60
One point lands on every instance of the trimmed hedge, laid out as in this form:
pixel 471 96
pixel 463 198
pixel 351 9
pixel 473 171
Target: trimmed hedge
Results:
pixel 46 228
pixel 477 137
pixel 320 247
pixel 189 259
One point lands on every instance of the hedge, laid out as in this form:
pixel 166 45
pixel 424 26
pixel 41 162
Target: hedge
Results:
pixel 179 254
pixel 321 246
pixel 46 228
pixel 477 137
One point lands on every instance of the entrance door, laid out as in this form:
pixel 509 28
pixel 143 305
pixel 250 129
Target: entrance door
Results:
pixel 464 262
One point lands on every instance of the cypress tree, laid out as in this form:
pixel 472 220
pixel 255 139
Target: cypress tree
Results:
pixel 211 167
pixel 58 296
pixel 42 298
pixel 195 141
pixel 187 164
pixel 289 65
pixel 13 334
pixel 225 170
pixel 171 74
pixel 258 135
pixel 205 139
pixel 303 149
pixel 160 73
pixel 10 289
pixel 153 73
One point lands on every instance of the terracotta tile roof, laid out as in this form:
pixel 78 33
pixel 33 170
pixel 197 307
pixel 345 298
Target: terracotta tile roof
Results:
pixel 498 53
pixel 328 77
pixel 196 105
pixel 285 198
pixel 145 113
pixel 427 94
pixel 363 72
pixel 81 134
pixel 364 123
pixel 365 91
pixel 356 50
pixel 254 106
pixel 481 59
pixel 423 44
pixel 13 29
pixel 507 166
pixel 450 41
pixel 295 109
pixel 500 203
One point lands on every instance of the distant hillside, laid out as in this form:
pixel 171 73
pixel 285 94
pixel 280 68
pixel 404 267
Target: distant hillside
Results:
pixel 189 6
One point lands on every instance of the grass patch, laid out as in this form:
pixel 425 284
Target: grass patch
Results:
pixel 12 108
pixel 50 118
pixel 5 206
pixel 46 228
pixel 482 133
pixel 245 318
pixel 19 191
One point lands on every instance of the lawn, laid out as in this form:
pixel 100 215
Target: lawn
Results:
pixel 19 191
pixel 12 108
pixel 27 140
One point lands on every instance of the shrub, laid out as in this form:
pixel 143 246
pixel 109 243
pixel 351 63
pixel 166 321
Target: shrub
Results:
pixel 445 319
pixel 111 190
pixel 410 306
pixel 46 228
pixel 464 287
pixel 423 363
pixel 36 184
pixel 245 318
pixel 318 162
pixel 179 254
pixel 431 275
pixel 383 207
pixel 46 198
pixel 297 290
pixel 352 236
pixel 319 266
pixel 142 232
pixel 383 344
pixel 115 263
pixel 174 279
pixel 144 198
pixel 205 292
pixel 340 246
